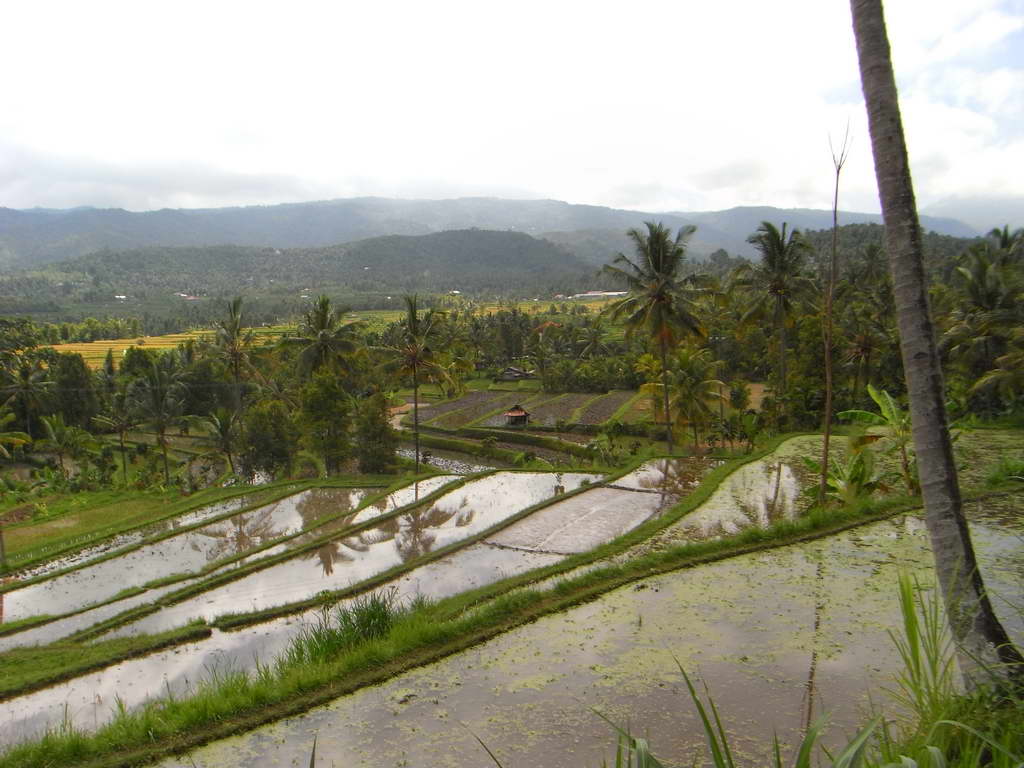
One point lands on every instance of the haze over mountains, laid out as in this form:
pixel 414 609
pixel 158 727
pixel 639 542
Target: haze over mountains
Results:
pixel 31 238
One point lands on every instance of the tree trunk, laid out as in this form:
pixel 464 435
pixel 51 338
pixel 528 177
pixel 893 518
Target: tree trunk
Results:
pixel 664 392
pixel 982 641
pixel 416 414
pixel 124 460
pixel 830 288
pixel 782 352
pixel 167 471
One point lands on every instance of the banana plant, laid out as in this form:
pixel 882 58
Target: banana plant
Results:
pixel 897 424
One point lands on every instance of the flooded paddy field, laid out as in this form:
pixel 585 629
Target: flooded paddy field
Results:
pixel 343 562
pixel 777 635
pixel 185 552
pixel 175 670
pixel 138 535
pixel 528 693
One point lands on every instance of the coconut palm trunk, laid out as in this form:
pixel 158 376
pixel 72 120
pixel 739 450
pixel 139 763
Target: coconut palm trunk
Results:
pixel 664 392
pixel 124 460
pixel 416 413
pixel 982 640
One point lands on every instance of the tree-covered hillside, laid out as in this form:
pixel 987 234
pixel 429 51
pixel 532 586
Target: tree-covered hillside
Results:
pixel 470 261
pixel 31 238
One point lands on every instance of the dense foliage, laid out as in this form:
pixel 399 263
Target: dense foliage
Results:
pixel 692 336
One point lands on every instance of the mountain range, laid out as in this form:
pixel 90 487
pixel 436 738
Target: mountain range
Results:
pixel 35 237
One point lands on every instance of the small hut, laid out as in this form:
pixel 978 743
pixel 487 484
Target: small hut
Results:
pixel 516 416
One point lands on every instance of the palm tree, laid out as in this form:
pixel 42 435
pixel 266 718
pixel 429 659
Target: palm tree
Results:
pixel 591 340
pixel 322 336
pixel 1010 243
pixel 25 383
pixel 981 637
pixel 232 342
pixel 776 281
pixel 414 356
pixel 65 440
pixel 222 425
pixel 656 302
pixel 122 419
pixel 10 438
pixel 158 397
pixel 693 388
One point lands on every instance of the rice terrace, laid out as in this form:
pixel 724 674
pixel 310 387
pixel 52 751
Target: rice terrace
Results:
pixel 492 410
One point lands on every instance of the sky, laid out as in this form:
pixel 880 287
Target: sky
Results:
pixel 654 106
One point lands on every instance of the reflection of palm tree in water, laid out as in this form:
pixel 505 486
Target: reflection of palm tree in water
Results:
pixel 819 606
pixel 242 533
pixel 677 478
pixel 339 550
pixel 415 536
pixel 411 532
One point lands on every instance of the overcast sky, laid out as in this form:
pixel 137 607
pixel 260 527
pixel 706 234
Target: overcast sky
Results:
pixel 647 105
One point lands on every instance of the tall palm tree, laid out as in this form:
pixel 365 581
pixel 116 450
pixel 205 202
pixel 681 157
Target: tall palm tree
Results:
pixel 776 282
pixel 975 626
pixel 657 303
pixel 121 417
pixel 222 425
pixel 323 337
pixel 1011 243
pixel 232 342
pixel 694 387
pixel 26 384
pixel 158 399
pixel 414 356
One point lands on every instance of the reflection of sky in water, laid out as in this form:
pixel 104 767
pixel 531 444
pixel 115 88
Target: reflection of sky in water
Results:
pixel 131 538
pixel 90 698
pixel 757 493
pixel 676 477
pixel 184 553
pixel 463 512
pixel 582 522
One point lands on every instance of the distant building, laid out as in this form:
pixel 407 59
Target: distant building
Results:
pixel 514 374
pixel 599 295
pixel 517 415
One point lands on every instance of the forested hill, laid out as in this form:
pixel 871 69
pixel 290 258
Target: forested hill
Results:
pixel 940 251
pixel 31 238
pixel 470 261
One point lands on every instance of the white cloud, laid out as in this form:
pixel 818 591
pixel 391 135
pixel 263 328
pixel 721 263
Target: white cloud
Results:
pixel 655 105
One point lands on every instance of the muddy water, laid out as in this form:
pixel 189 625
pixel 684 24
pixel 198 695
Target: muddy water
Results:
pixel 776 635
pixel 185 553
pixel 130 538
pixel 337 564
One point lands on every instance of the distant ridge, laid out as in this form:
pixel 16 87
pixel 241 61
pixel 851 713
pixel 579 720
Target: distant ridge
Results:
pixel 29 238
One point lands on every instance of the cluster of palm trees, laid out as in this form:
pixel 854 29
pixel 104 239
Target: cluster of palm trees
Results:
pixel 210 386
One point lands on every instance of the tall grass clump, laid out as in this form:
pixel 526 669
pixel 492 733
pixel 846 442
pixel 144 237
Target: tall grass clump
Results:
pixel 1009 469
pixel 366 617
